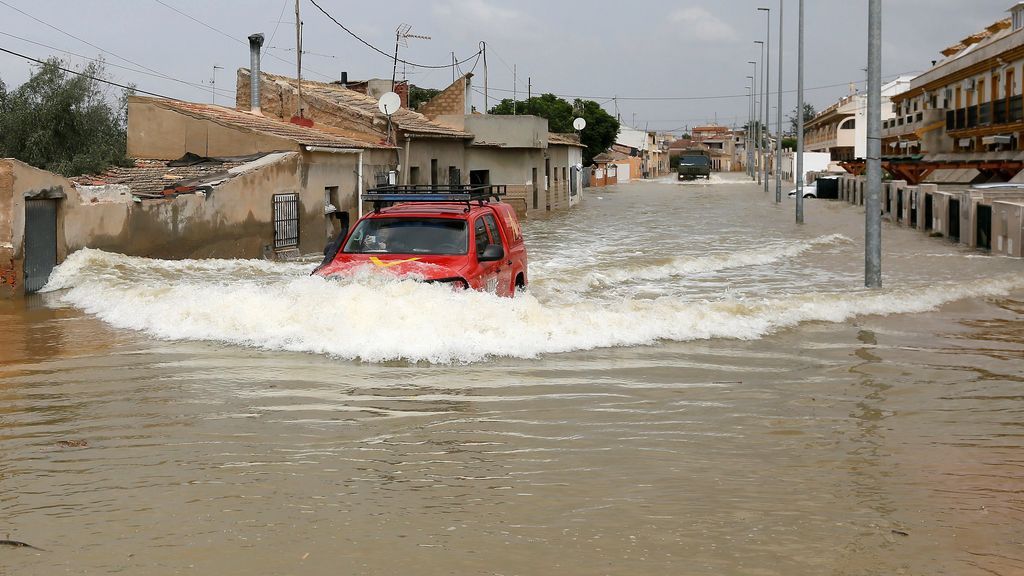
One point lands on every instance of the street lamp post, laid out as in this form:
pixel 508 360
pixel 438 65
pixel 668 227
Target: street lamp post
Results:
pixel 873 202
pixel 778 120
pixel 767 88
pixel 753 118
pixel 799 176
pixel 750 127
pixel 760 118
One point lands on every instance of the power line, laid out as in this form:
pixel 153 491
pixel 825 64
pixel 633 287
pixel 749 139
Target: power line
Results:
pixel 89 76
pixel 226 35
pixel 280 18
pixel 687 98
pixel 86 42
pixel 379 51
pixel 111 64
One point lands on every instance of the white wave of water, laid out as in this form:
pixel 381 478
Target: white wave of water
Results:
pixel 375 319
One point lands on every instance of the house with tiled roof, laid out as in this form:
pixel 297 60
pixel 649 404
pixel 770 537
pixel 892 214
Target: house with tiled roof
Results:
pixel 429 152
pixel 206 182
pixel 565 155
pixel 324 175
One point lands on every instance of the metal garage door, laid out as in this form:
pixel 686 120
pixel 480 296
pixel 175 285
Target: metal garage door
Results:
pixel 40 242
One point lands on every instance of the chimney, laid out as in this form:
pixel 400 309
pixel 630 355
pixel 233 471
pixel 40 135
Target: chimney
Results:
pixel 344 79
pixel 255 43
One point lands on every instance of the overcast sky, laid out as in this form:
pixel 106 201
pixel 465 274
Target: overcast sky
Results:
pixel 643 49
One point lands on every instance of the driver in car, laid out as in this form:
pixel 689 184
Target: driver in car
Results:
pixel 377 242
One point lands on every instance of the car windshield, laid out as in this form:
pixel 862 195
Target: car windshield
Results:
pixel 409 236
pixel 694 160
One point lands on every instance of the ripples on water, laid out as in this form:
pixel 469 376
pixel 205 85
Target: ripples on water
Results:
pixel 771 424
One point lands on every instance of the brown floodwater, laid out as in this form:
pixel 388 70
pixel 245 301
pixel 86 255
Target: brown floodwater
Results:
pixel 691 385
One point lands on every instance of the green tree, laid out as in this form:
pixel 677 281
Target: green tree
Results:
pixel 809 114
pixel 419 95
pixel 598 136
pixel 558 112
pixel 63 122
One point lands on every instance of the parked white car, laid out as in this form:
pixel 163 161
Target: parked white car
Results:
pixel 810 191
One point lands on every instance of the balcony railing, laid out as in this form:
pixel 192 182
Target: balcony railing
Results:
pixel 1004 111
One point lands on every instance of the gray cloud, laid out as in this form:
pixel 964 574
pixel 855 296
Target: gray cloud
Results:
pixel 600 49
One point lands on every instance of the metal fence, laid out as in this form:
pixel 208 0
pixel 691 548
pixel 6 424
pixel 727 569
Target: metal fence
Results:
pixel 286 221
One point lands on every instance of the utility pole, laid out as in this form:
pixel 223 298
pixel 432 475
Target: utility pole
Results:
pixel 454 65
pixel 298 56
pixel 760 119
pixel 753 119
pixel 799 176
pixel 778 119
pixel 767 90
pixel 515 80
pixel 750 128
pixel 873 204
pixel 529 87
pixel 487 106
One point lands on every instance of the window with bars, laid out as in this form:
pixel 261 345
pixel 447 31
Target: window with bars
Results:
pixel 286 221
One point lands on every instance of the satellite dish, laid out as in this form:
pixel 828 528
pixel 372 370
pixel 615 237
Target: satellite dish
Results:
pixel 579 123
pixel 389 103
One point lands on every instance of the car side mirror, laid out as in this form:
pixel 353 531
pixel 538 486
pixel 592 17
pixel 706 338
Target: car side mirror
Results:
pixel 491 253
pixel 332 247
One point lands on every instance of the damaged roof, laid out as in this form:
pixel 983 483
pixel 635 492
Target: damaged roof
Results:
pixel 564 139
pixel 317 136
pixel 161 178
pixel 366 106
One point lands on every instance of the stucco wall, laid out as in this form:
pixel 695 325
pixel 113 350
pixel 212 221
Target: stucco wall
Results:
pixel 513 168
pixel 158 133
pixel 17 180
pixel 447 153
pixel 508 131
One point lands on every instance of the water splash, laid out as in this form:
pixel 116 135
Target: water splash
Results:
pixel 374 318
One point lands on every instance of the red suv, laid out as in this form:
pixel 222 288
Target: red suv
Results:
pixel 460 237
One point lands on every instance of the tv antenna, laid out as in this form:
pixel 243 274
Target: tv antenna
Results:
pixel 402 35
pixel 213 83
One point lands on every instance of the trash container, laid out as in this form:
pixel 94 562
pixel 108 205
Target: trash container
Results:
pixel 828 188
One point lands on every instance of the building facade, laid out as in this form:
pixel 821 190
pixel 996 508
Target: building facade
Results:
pixel 841 129
pixel 969 105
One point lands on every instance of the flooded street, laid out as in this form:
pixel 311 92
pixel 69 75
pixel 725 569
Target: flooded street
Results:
pixel 691 385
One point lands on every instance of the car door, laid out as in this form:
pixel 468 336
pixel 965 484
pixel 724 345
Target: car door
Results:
pixel 487 272
pixel 504 266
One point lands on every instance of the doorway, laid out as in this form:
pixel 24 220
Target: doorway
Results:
pixel 954 220
pixel 536 189
pixel 984 227
pixel 927 212
pixel 40 242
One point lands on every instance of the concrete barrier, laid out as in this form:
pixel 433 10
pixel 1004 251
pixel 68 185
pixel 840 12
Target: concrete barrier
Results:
pixel 1008 228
